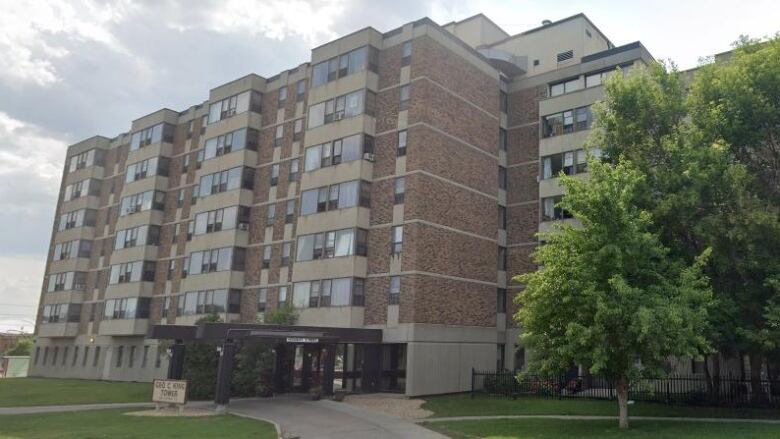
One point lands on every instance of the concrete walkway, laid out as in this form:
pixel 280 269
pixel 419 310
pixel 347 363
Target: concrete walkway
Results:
pixel 300 417
pixel 600 418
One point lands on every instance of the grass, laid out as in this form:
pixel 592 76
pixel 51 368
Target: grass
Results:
pixel 463 405
pixel 20 392
pixel 116 425
pixel 557 429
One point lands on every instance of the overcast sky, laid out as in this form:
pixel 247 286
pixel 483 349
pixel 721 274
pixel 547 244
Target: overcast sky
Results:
pixel 73 69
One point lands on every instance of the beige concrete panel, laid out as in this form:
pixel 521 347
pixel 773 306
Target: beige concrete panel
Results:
pixel 501 278
pixel 334 220
pixel 403 119
pixel 163 149
pixel 72 264
pixel 87 144
pixel 74 233
pixel 138 219
pixel 242 157
pixel 292 189
pixel 58 329
pixel 224 126
pixel 550 188
pixel 88 202
pixel 502 197
pixel 340 129
pixel 138 253
pixel 346 44
pixel 392 316
pixel 400 165
pixel 83 174
pixel 547 226
pixel 348 171
pixel 159 183
pixel 130 289
pixel 568 101
pixel 233 197
pixel 406 74
pixel 342 86
pixel 212 281
pixel 124 327
pixel 159 116
pixel 422 379
pixel 501 319
pixel 224 238
pixel 502 238
pixel 63 297
pixel 562 143
pixel 398 214
pixel 248 82
pixel 336 316
pixel 348 266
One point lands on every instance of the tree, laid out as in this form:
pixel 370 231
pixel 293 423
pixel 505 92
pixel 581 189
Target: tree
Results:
pixel 22 348
pixel 284 315
pixel 200 365
pixel 608 295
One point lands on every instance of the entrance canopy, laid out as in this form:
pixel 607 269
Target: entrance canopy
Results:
pixel 270 333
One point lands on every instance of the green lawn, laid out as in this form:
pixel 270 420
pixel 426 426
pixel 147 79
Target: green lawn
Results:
pixel 116 425
pixel 557 429
pixel 463 405
pixel 17 392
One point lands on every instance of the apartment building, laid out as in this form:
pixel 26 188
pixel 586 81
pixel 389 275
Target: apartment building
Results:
pixel 388 190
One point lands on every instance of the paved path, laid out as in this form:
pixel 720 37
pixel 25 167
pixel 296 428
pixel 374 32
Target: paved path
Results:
pixel 69 408
pixel 301 417
pixel 600 418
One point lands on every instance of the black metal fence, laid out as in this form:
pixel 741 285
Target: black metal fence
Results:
pixel 674 390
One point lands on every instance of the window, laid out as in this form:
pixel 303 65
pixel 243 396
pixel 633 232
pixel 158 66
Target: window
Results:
pixel 278 135
pixel 344 291
pixel 564 122
pixel 286 249
pixel 83 188
pixel 262 300
pixel 338 243
pixel 519 358
pixel 65 355
pixel 245 138
pixel 363 58
pixel 502 139
pixel 397 239
pixel 501 300
pixel 267 254
pixel 403 103
pixel 84 358
pixel 141 202
pixel 131 357
pixel 282 96
pixel 502 177
pixel 145 357
pixel 234 178
pixel 401 143
pixel 565 56
pixel 77 218
pixel 54 358
pixel 289 214
pixel 598 78
pixel 211 302
pixel 147 168
pixel 406 53
pixel 338 151
pixel 71 280
pixel 229 107
pixel 190 126
pixel 127 308
pixel 138 271
pixel 395 290
pixel 159 133
pixel 569 162
pixel 73 249
pixel 300 90
pixel 137 236
pixel 297 130
pixel 503 101
pixel 501 258
pixel 282 296
pixel 85 159
pixel 170 273
pixel 119 352
pixel 501 217
pixel 338 196
pixel 342 107
pixel 222 219
pixel 274 174
pixel 400 189
pixel 551 211
pixel 190 229
pixel 96 358
pixel 567 86
pixel 295 169
pixel 220 259
pixel 62 313
pixel 500 348
pixel 270 214
pixel 180 198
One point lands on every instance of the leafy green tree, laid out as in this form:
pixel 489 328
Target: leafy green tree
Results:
pixel 608 295
pixel 22 348
pixel 284 315
pixel 200 365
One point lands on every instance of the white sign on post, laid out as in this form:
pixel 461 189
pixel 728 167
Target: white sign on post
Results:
pixel 170 392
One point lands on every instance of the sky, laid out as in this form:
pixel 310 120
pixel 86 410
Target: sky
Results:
pixel 71 69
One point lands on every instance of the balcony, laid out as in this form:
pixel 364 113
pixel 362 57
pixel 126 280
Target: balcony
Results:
pixel 510 64
pixel 53 330
pixel 335 316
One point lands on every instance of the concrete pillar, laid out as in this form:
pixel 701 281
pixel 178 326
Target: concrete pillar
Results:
pixel 176 363
pixel 224 375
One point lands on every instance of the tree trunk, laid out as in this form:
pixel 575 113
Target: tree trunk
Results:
pixel 622 396
pixel 756 391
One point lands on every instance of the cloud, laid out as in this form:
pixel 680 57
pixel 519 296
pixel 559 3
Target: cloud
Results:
pixel 20 290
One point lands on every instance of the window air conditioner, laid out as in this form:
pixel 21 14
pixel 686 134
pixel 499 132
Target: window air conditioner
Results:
pixel 368 156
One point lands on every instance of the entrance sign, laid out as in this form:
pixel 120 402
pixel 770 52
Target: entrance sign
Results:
pixel 170 391
pixel 302 340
